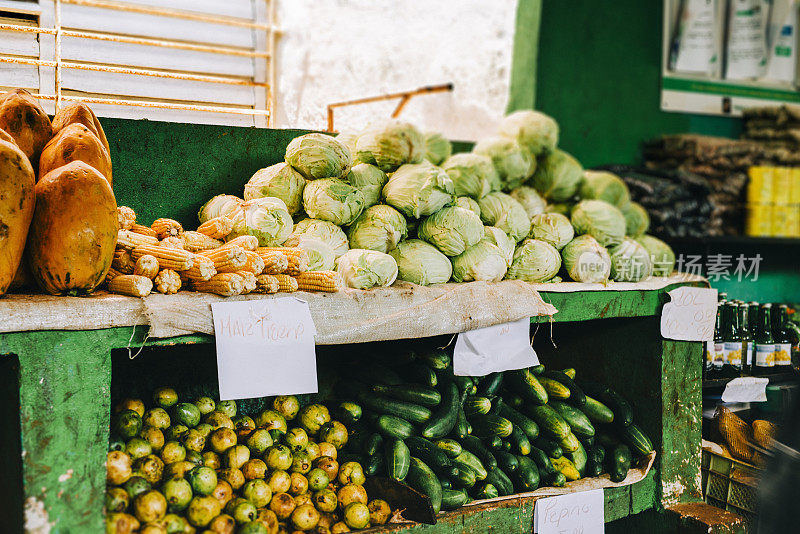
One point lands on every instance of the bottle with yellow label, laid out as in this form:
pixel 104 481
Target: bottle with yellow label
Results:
pixel 732 340
pixel 782 338
pixel 765 344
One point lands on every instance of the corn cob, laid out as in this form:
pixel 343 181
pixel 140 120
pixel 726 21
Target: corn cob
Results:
pixel 267 283
pixel 131 285
pixel 169 258
pixel 297 258
pixel 168 282
pixel 172 242
pixel 274 262
pixel 123 262
pixel 249 281
pixel 195 242
pixel 202 269
pixel 227 259
pixel 286 283
pixel 126 217
pixel 225 284
pixel 129 239
pixel 144 230
pixel 329 281
pixel 255 264
pixel 247 242
pixel 217 228
pixel 146 265
pixel 112 273
pixel 166 228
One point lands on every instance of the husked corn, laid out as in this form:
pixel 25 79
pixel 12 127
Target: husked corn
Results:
pixel 112 273
pixel 126 217
pixel 123 261
pixel 168 282
pixel 297 258
pixel 274 262
pixel 172 242
pixel 166 228
pixel 195 241
pixel 217 228
pixel 146 265
pixel 129 239
pixel 227 259
pixel 247 242
pixel 144 230
pixel 255 264
pixel 286 283
pixel 168 258
pixel 225 284
pixel 202 269
pixel 267 283
pixel 249 281
pixel 329 281
pixel 131 285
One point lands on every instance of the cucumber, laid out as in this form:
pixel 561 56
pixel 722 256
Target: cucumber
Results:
pixel 487 491
pixel 465 477
pixel 639 443
pixel 413 393
pixel 576 419
pixel 442 422
pixel 597 454
pixel 477 447
pixel 514 400
pixel 446 483
pixel 526 478
pixel 554 388
pixel 570 372
pixel 493 443
pixel 593 469
pixel 550 447
pixel 537 369
pixel 467 460
pixel 524 423
pixel 596 411
pixel 450 447
pixel 576 395
pixel 507 461
pixel 587 442
pixel 394 427
pixel 550 423
pixel 526 384
pixel 558 480
pixel 372 444
pixel 398 459
pixel 453 498
pixel 419 373
pixel 570 443
pixel 348 413
pixel 566 467
pixel 462 427
pixel 491 425
pixel 477 406
pixel 489 386
pixel 520 443
pixel 373 464
pixel 465 385
pixel 579 458
pixel 506 446
pixel 413 413
pixel 618 461
pixel 497 478
pixel 621 409
pixel 421 478
pixel 436 359
pixel 429 453
pixel 546 469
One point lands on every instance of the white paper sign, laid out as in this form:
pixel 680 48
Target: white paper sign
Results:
pixel 572 513
pixel 691 314
pixel 746 389
pixel 502 347
pixel 264 347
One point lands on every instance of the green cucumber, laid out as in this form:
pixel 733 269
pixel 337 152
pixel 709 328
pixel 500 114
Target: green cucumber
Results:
pixel 394 427
pixel 429 453
pixel 579 458
pixel 513 400
pixel 596 453
pixel 462 427
pixel 550 423
pixel 436 359
pixel 493 443
pixel 477 406
pixel 558 480
pixel 491 425
pixel 507 461
pixel 477 447
pixel 520 443
pixel 468 460
pixel 555 389
pixel 621 409
pixel 419 373
pixel 524 423
pixel 465 477
pixel 453 498
pixel 373 464
pixel 447 414
pixel 450 447
pixel 596 411
pixel 489 386
pixel 566 467
pixel 593 469
pixel 546 469
pixel 465 384
pixel 413 393
pixel 497 478
pixel 487 491
pixel 570 372
pixel 569 443
pixel 422 478
pixel 372 444
pixel 413 413
pixel 576 395
pixel 398 459
pixel 551 448
pixel 537 369
pixel 638 442
pixel 526 477
pixel 525 383
pixel 446 483
pixel 348 413
pixel 506 446
pixel 576 419
pixel 618 462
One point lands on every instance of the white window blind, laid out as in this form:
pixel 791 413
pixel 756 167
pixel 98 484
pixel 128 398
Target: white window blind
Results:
pixel 201 61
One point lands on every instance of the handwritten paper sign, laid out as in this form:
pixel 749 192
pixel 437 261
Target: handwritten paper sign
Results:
pixel 746 389
pixel 572 513
pixel 264 347
pixel 691 314
pixel 501 347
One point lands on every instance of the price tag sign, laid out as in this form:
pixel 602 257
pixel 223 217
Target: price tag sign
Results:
pixel 691 314
pixel 502 347
pixel 264 348
pixel 572 513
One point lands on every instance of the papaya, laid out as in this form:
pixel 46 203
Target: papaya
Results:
pixel 23 118
pixel 74 230
pixel 17 200
pixel 80 113
pixel 75 142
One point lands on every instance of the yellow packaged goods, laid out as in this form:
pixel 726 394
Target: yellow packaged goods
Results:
pixel 793 221
pixel 737 433
pixel 759 189
pixel 123 261
pixel 17 200
pixel 218 227
pixel 75 142
pixel 131 285
pixel 168 258
pixel 147 266
pixel 267 283
pixel 202 269
pixel 781 185
pixel 128 239
pixel 144 230
pixel 794 192
pixel 781 221
pixel 168 282
pixel 166 228
pixel 329 281
pixel 224 284
pixel 126 217
pixel 195 242
pixel 759 220
pixel 26 122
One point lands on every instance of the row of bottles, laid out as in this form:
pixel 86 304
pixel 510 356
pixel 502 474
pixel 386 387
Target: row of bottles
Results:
pixel 751 339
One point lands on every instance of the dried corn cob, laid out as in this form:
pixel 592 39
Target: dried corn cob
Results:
pixel 297 258
pixel 169 258
pixel 202 269
pixel 168 282
pixel 274 262
pixel 195 242
pixel 172 242
pixel 131 285
pixel 143 230
pixel 123 261
pixel 112 273
pixel 227 259
pixel 126 217
pixel 225 284
pixel 129 239
pixel 166 228
pixel 247 242
pixel 255 264
pixel 249 281
pixel 286 283
pixel 267 283
pixel 146 265
pixel 217 228
pixel 329 281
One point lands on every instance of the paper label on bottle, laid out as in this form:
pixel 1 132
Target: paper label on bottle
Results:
pixel 750 350
pixel 733 353
pixel 783 354
pixel 719 354
pixel 765 355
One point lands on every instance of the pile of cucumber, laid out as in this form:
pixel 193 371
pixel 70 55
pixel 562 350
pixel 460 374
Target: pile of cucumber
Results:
pixel 457 438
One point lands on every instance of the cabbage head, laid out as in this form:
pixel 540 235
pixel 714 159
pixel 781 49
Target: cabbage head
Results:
pixel 279 181
pixel 637 220
pixel 368 179
pixel 600 220
pixel 363 269
pixel 266 218
pixel 602 185
pixel 661 255
pixel 586 260
pixel 390 144
pixel 564 208
pixel 418 190
pixel 421 263
pixel 327 232
pixel 533 129
pixel 530 199
pixel 470 204
pixel 502 211
pixel 482 261
pixel 332 200
pixel 218 206
pixel 379 228
pixel 514 164
pixel 452 230
pixel 558 176
pixel 630 261
pixel 473 175
pixel 552 228
pixel 437 148
pixel 317 155
pixel 499 238
pixel 320 256
pixel 349 139
pixel 534 261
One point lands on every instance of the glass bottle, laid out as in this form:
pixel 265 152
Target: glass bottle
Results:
pixel 748 345
pixel 732 340
pixel 765 344
pixel 782 338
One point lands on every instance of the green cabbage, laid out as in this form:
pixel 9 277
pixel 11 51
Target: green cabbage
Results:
pixel 332 200
pixel 534 261
pixel 320 255
pixel 661 255
pixel 379 228
pixel 325 231
pixel 499 238
pixel 502 211
pixel 279 181
pixel 473 175
pixel 558 176
pixel 266 218
pixel 437 148
pixel 533 129
pixel 630 261
pixel 602 185
pixel 600 220
pixel 368 179
pixel 349 139
pixel 552 228
pixel 317 155
pixel 390 144
pixel 470 204
pixel 418 190
pixel 452 230
pixel 421 263
pixel 514 164
pixel 530 199
pixel 564 208
pixel 218 206
pixel 363 269
pixel 482 261
pixel 637 221
pixel 585 260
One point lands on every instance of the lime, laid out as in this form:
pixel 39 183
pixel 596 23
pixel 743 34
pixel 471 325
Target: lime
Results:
pixel 186 414
pixel 227 407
